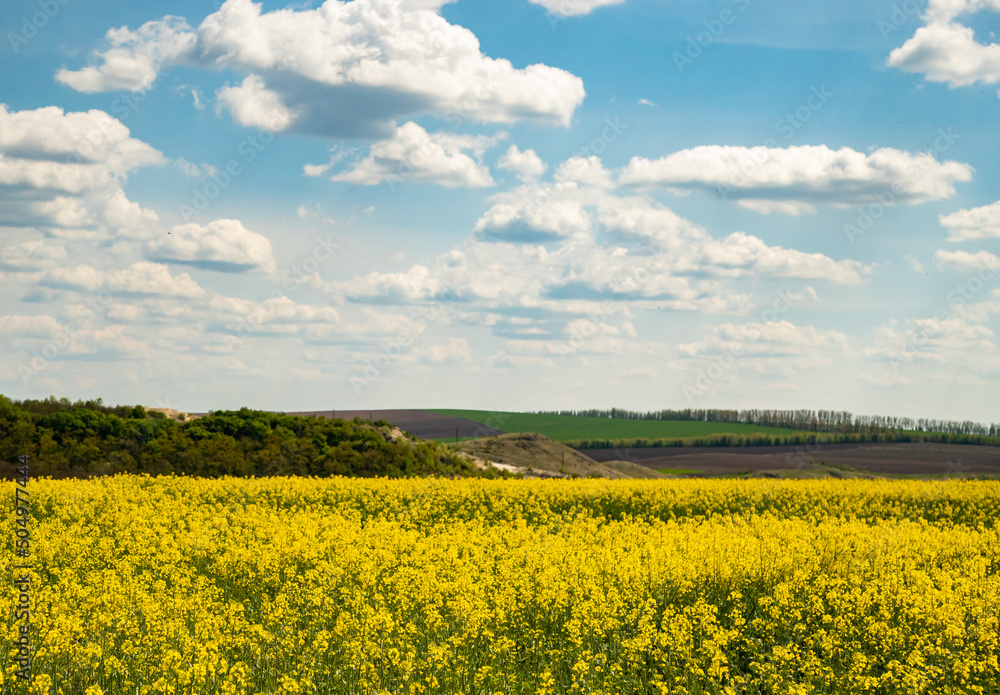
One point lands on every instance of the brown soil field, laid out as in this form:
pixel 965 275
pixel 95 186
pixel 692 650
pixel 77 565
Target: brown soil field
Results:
pixel 904 458
pixel 417 422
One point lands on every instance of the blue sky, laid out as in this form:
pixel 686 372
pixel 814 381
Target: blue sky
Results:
pixel 527 205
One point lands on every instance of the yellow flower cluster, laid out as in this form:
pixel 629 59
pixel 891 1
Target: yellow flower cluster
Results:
pixel 282 585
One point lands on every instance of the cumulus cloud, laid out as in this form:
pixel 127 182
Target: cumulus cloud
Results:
pixel 564 245
pixel 965 262
pixel 572 8
pixel 571 211
pixel 40 326
pixel 526 165
pixel 414 154
pixel 140 278
pixel 586 171
pixel 945 50
pixel 31 255
pixel 62 173
pixel 275 310
pixel 74 341
pixel 132 59
pixel 344 69
pixel 777 339
pixel 535 214
pixel 252 104
pixel 223 245
pixel 975 223
pixel 952 345
pixel 794 180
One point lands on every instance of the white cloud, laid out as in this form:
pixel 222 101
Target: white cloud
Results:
pixel 73 165
pixel 915 264
pixel 455 350
pixel 573 8
pixel 778 339
pixel 31 255
pixel 41 326
pixel 224 245
pixel 414 154
pixel 975 223
pixel 252 104
pixel 133 58
pixel 526 165
pixel 965 262
pixel 794 180
pixel 535 214
pixel 345 69
pixel 586 171
pixel 276 310
pixel 504 360
pixel 563 246
pixel 947 51
pixel 138 279
pixel 951 345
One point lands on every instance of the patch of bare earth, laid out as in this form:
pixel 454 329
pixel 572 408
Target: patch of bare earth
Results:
pixel 537 456
pixel 173 414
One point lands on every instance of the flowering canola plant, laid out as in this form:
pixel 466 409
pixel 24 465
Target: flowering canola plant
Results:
pixel 296 585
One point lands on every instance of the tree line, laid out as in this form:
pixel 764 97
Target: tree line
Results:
pixel 87 438
pixel 761 439
pixel 831 421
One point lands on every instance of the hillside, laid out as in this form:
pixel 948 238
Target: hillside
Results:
pixel 81 439
pixel 536 455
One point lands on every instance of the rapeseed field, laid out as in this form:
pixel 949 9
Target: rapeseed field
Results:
pixel 290 585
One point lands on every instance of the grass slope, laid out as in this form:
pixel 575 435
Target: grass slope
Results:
pixel 567 427
pixel 535 452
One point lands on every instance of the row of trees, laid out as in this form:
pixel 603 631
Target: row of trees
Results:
pixel 81 439
pixel 760 439
pixel 833 421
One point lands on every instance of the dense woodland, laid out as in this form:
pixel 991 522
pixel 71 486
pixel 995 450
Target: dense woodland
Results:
pixel 87 438
pixel 832 421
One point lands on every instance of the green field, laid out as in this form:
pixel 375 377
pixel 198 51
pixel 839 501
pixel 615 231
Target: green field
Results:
pixel 680 471
pixel 568 427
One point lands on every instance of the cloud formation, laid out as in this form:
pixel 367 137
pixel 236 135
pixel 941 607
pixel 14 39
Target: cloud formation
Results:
pixel 223 245
pixel 62 173
pixel 973 224
pixel 526 165
pixel 568 243
pixel 413 154
pixel 794 180
pixel 574 8
pixel 945 50
pixel 139 279
pixel 342 70
pixel 965 262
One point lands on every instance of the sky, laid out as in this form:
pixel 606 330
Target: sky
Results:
pixel 525 205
